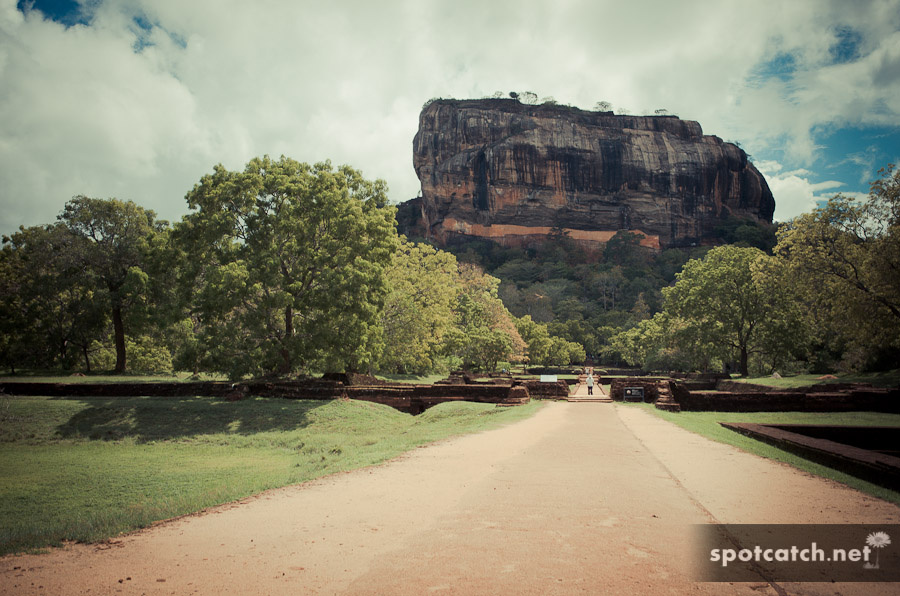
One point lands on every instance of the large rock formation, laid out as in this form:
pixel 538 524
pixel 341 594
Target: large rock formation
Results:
pixel 511 172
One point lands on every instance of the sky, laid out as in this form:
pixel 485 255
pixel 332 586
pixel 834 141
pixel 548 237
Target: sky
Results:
pixel 138 99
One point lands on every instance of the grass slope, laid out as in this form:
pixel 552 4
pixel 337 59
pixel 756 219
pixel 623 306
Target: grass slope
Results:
pixel 707 425
pixel 880 379
pixel 56 376
pixel 86 469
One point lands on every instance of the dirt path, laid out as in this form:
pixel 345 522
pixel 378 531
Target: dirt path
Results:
pixel 581 498
pixel 581 390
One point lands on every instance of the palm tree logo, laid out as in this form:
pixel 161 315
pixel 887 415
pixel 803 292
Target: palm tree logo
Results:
pixel 877 540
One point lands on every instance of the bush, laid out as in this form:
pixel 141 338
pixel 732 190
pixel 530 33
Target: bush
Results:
pixel 148 356
pixel 144 355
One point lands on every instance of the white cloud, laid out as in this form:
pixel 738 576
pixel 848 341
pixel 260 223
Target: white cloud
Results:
pixel 794 192
pixel 223 81
pixel 818 91
pixel 866 161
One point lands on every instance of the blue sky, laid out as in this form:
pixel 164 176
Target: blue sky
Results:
pixel 67 12
pixel 138 99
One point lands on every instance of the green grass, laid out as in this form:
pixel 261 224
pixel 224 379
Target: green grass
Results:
pixel 86 469
pixel 414 379
pixel 880 379
pixel 707 425
pixel 51 376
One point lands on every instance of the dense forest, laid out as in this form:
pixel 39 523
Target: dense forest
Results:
pixel 288 268
pixel 588 297
pixel 818 293
pixel 283 268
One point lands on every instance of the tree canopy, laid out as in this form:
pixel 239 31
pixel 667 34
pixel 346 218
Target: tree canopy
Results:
pixel 732 304
pixel 115 242
pixel 719 296
pixel 51 304
pixel 418 312
pixel 287 266
pixel 66 281
pixel 281 268
pixel 845 256
pixel 484 332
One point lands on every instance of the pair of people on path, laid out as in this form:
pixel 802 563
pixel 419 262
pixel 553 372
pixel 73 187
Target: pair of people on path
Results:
pixel 590 380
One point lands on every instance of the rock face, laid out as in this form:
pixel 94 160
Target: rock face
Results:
pixel 511 172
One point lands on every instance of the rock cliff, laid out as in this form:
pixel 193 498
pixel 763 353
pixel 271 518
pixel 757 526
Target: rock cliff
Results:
pixel 511 172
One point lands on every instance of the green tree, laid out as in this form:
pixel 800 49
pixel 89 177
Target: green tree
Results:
pixel 576 331
pixel 41 305
pixel 724 301
pixel 606 287
pixel 287 266
pixel 635 345
pixel 664 342
pixel 71 311
pixel 564 352
pixel 624 249
pixel 116 239
pixel 51 304
pixel 537 340
pixel 527 97
pixel 484 332
pixel 418 310
pixel 747 232
pixel 845 255
pixel 640 310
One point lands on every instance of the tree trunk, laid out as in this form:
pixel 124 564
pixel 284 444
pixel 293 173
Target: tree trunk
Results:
pixel 119 332
pixel 745 371
pixel 288 333
pixel 87 360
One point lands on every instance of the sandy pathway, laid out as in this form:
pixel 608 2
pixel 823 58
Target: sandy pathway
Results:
pixel 581 498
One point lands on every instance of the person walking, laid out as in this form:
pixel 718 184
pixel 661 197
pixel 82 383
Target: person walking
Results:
pixel 590 381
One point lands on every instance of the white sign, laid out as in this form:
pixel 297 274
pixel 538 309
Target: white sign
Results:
pixel 548 378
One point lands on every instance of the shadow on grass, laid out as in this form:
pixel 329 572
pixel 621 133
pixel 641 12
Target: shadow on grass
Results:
pixel 159 418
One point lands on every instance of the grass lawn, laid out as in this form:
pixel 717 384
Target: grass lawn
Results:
pixel 707 425
pixel 55 376
pixel 881 379
pixel 86 469
pixel 414 379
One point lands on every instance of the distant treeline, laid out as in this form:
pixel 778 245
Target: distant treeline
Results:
pixel 818 293
pixel 290 268
pixel 279 269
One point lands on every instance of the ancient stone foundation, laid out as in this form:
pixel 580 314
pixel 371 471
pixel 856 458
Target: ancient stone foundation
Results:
pixel 700 393
pixel 867 452
pixel 413 399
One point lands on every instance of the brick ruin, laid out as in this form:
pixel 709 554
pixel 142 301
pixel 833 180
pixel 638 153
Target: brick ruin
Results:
pixel 713 393
pixel 405 397
pixel 867 452
pixel 674 393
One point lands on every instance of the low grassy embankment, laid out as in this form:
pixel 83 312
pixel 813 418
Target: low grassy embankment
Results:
pixel 54 376
pixel 707 425
pixel 412 379
pixel 86 469
pixel 879 379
